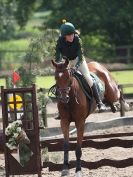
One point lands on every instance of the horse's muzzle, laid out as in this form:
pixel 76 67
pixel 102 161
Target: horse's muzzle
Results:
pixel 63 95
pixel 67 99
pixel 63 99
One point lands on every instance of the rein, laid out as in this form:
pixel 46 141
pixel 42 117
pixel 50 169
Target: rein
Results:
pixel 58 93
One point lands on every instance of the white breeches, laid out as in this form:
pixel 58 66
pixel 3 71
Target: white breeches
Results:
pixel 83 68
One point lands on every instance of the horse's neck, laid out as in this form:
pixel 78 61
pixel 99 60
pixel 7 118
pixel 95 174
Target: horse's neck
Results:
pixel 75 85
pixel 76 90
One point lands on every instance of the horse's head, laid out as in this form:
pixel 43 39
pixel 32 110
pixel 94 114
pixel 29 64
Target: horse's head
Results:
pixel 63 82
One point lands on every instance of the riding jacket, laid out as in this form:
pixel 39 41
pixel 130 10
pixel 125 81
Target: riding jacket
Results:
pixel 70 50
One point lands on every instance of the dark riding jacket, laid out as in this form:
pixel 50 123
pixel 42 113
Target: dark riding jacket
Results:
pixel 70 50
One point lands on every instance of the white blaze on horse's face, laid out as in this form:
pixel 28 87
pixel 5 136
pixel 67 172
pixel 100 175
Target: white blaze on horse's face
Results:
pixel 60 74
pixel 63 87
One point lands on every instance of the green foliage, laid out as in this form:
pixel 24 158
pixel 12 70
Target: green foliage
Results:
pixel 13 13
pixel 48 5
pixel 41 47
pixel 108 18
pixel 35 50
pixel 17 45
pixel 42 103
pixel 9 83
pixel 24 11
pixel 11 53
pixel 27 77
pixel 97 47
pixel 37 20
pixel 7 19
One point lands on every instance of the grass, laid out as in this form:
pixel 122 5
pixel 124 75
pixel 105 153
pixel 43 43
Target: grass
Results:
pixel 2 82
pixel 37 19
pixel 45 82
pixel 14 44
pixel 21 41
pixel 41 82
pixel 122 77
pixel 18 46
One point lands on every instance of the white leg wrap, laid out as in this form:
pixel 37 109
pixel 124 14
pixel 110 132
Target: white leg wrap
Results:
pixel 83 68
pixel 78 174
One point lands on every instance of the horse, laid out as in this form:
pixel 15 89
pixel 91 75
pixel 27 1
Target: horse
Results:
pixel 74 106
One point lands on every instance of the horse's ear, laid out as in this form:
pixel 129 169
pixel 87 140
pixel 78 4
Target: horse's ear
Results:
pixel 54 63
pixel 66 62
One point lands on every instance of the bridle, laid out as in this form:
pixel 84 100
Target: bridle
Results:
pixel 62 94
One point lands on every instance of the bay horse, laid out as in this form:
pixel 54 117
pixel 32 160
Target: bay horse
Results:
pixel 73 105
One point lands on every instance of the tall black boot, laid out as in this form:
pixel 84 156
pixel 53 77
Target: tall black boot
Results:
pixel 96 95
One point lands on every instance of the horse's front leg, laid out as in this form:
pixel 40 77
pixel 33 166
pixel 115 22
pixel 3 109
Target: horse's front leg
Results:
pixel 65 130
pixel 78 152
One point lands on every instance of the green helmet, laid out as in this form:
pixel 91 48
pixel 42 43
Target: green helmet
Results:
pixel 67 28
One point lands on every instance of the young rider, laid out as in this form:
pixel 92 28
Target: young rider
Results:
pixel 69 45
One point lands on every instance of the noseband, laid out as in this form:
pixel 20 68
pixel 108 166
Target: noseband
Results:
pixel 61 94
pixel 57 93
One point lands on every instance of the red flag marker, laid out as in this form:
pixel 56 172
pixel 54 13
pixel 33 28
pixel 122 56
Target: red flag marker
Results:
pixel 15 77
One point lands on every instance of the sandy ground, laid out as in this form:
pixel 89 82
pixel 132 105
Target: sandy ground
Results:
pixel 90 154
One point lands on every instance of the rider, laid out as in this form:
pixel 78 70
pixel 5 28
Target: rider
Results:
pixel 69 45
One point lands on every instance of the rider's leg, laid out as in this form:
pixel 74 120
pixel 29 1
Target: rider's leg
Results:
pixel 83 68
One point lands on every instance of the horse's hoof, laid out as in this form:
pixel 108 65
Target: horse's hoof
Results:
pixel 65 172
pixel 78 174
pixel 113 108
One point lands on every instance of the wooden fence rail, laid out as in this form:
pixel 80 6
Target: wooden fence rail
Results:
pixel 128 95
pixel 113 140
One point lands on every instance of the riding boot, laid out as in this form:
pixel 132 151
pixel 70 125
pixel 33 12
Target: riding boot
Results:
pixel 96 95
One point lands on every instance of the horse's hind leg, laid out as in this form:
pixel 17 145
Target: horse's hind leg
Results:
pixel 65 130
pixel 111 105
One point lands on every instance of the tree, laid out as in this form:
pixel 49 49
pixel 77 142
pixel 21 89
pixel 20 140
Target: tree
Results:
pixel 41 47
pixel 7 19
pixel 14 12
pixel 24 10
pixel 112 18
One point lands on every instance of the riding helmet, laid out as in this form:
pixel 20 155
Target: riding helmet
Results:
pixel 67 28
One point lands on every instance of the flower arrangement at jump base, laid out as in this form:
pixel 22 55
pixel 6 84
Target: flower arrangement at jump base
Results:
pixel 16 135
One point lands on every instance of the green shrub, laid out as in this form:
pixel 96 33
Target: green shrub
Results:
pixel 11 52
pixel 97 47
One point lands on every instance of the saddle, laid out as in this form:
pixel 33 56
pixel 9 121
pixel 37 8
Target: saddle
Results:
pixel 84 85
pixel 86 88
